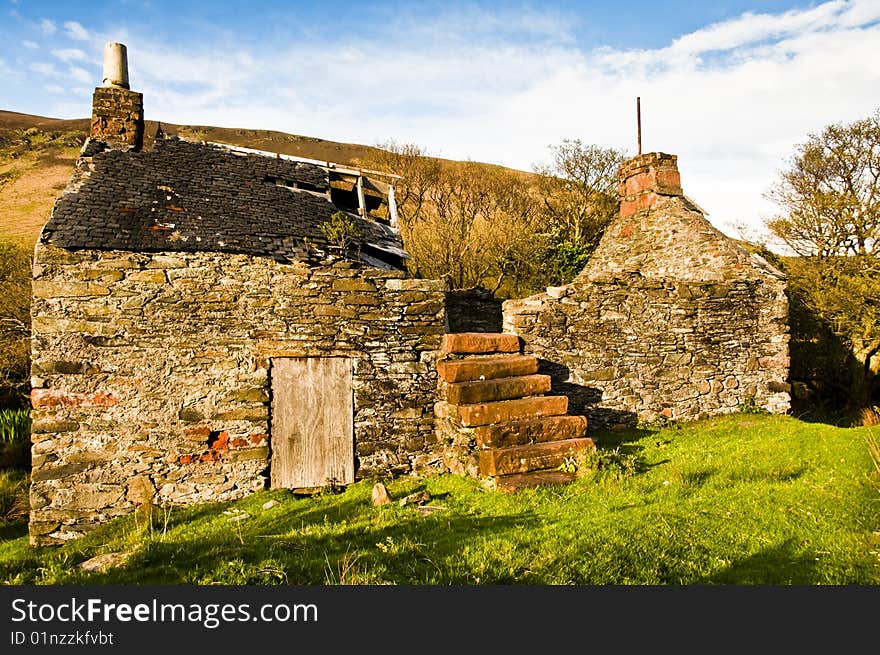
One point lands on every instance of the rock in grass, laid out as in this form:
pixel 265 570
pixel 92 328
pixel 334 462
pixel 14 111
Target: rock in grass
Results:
pixel 418 498
pixel 269 504
pixel 380 494
pixel 101 563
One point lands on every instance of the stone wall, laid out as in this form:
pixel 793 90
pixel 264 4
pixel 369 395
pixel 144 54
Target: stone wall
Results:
pixel 151 374
pixel 635 349
pixel 472 310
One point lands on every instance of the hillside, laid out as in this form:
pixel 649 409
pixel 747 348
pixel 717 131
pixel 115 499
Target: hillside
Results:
pixel 37 155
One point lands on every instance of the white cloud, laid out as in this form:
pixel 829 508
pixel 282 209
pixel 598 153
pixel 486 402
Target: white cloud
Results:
pixel 70 54
pixel 751 28
pixel 30 45
pixel 54 89
pixel 47 27
pixel 43 68
pixel 80 74
pixel 731 99
pixel 76 31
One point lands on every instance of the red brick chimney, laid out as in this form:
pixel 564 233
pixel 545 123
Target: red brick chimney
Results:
pixel 643 180
pixel 117 111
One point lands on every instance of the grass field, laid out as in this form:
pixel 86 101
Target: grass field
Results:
pixel 745 499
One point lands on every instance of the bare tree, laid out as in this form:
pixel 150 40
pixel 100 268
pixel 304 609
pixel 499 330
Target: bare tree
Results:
pixel 471 224
pixel 579 190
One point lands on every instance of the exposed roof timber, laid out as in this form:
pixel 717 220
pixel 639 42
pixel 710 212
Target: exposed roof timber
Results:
pixel 339 168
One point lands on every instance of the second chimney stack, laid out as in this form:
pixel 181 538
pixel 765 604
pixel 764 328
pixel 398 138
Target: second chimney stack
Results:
pixel 644 179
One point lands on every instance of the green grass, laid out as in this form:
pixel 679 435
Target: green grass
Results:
pixel 15 438
pixel 753 500
pixel 15 426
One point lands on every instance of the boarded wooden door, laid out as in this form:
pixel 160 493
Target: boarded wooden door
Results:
pixel 312 422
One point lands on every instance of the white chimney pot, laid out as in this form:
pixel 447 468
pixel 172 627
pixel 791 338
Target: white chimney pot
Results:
pixel 115 66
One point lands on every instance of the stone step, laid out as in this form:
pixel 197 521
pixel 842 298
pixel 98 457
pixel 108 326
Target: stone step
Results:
pixel 533 457
pixel 539 430
pixel 487 368
pixel 503 411
pixel 482 391
pixel 516 481
pixel 474 343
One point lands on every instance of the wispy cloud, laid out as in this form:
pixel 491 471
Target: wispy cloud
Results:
pixel 70 54
pixel 753 28
pixel 47 27
pixel 31 45
pixel 80 74
pixel 76 31
pixel 43 68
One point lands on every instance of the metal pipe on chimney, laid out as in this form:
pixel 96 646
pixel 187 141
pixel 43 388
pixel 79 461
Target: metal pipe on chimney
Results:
pixel 639 121
pixel 115 66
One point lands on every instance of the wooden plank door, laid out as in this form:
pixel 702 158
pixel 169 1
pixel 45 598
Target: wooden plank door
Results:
pixel 312 430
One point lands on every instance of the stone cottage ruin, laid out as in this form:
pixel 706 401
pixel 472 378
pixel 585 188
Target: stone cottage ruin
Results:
pixel 209 321
pixel 670 319
pixel 187 305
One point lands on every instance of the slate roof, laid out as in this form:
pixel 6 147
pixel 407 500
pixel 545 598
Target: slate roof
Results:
pixel 188 197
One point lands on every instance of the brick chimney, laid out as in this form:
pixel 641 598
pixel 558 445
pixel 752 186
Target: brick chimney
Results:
pixel 643 180
pixel 117 111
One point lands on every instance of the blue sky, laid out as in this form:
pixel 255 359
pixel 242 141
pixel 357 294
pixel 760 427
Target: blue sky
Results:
pixel 730 87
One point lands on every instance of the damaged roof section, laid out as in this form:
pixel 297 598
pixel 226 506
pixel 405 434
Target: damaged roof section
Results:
pixel 196 197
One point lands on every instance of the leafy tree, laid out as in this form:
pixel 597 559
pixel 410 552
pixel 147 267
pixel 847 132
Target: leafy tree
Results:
pixel 830 197
pixel 579 193
pixel 830 193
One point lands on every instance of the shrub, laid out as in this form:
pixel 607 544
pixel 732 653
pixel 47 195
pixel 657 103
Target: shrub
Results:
pixel 340 231
pixel 13 496
pixel 15 298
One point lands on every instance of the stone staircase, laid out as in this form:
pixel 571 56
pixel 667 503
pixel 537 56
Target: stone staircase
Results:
pixel 495 418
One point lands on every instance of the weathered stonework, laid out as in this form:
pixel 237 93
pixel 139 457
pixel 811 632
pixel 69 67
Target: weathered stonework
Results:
pixel 118 117
pixel 151 374
pixel 669 320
